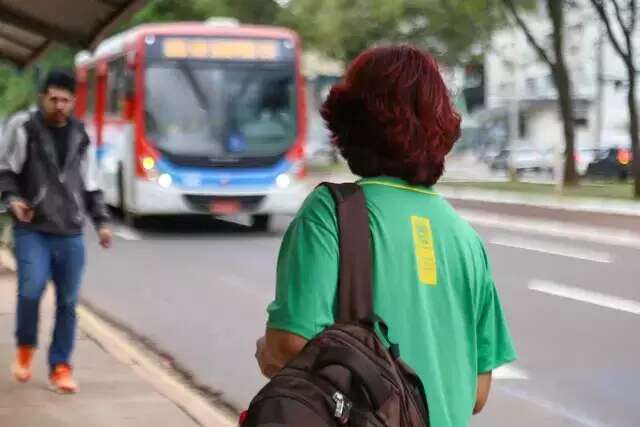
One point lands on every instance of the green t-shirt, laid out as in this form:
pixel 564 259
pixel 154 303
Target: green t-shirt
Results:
pixel 432 285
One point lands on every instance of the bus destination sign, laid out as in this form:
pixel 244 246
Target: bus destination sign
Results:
pixel 221 49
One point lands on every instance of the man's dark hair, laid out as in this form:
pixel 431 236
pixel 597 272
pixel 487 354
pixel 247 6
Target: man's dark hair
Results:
pixel 61 79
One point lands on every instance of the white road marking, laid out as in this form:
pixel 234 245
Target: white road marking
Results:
pixel 509 372
pixel 599 235
pixel 236 282
pixel 552 248
pixel 127 234
pixel 583 295
pixel 575 416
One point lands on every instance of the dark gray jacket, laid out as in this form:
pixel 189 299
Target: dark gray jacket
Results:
pixel 59 194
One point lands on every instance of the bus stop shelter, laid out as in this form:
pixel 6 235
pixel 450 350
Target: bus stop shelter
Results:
pixel 29 27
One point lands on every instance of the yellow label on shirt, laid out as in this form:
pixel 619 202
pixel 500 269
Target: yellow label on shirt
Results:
pixel 425 252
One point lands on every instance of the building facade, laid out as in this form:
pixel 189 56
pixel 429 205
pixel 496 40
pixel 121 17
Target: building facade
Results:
pixel 521 96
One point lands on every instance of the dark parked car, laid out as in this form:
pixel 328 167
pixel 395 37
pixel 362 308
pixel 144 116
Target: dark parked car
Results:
pixel 612 162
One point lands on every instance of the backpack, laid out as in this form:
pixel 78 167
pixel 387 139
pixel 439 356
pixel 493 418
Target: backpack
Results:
pixel 345 376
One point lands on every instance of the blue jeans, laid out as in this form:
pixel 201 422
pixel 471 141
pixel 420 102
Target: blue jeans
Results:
pixel 42 257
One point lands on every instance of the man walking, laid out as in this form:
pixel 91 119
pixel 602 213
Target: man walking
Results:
pixel 48 180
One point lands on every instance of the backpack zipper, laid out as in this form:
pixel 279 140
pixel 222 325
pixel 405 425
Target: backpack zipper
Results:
pixel 343 407
pixel 340 403
pixel 295 397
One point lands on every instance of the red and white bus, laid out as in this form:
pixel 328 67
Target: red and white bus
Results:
pixel 197 118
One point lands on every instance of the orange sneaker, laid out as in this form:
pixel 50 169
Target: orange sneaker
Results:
pixel 62 380
pixel 22 366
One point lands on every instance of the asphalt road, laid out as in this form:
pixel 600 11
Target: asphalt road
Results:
pixel 198 290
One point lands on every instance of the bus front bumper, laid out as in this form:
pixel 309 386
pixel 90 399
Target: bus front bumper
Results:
pixel 152 199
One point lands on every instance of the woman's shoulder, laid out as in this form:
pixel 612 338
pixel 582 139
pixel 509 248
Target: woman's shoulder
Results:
pixel 319 208
pixel 459 226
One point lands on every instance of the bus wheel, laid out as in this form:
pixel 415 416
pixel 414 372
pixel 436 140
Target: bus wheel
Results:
pixel 129 218
pixel 260 222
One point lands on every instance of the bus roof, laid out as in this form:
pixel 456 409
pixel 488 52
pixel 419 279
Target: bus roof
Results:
pixel 125 40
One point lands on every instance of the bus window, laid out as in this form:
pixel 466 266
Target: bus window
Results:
pixel 116 87
pixel 208 109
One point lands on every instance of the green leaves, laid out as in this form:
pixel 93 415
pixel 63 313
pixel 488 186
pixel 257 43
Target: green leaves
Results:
pixel 18 88
pixel 454 30
pixel 255 12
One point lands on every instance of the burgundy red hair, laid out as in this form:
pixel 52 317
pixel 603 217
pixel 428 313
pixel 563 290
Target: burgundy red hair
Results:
pixel 391 115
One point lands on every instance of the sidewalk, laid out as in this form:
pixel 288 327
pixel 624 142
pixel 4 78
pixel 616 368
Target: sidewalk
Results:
pixel 564 203
pixel 111 394
pixel 630 209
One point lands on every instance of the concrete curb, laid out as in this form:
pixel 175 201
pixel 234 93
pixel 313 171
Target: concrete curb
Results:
pixel 151 370
pixel 595 205
pixel 147 365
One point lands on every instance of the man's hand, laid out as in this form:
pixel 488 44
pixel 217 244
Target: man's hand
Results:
pixel 106 237
pixel 21 210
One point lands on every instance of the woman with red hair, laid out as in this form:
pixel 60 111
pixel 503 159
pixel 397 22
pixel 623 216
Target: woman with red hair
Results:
pixel 393 121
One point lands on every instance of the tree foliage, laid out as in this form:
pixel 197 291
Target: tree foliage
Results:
pixel 18 87
pixel 258 12
pixel 453 29
pixel 555 58
pixel 615 14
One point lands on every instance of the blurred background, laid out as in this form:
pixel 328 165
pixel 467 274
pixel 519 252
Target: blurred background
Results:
pixel 207 152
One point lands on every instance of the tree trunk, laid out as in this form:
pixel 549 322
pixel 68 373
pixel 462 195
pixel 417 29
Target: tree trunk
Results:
pixel 563 84
pixel 570 176
pixel 633 128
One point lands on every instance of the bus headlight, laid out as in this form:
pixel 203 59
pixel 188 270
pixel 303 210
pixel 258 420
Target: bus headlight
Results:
pixel 283 180
pixel 165 180
pixel 148 163
pixel 148 168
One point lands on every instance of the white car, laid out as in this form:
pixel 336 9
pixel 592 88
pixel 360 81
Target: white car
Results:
pixel 531 159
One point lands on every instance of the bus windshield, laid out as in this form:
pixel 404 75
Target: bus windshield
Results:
pixel 220 110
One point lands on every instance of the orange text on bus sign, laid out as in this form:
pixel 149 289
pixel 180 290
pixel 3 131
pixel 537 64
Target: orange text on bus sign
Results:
pixel 181 48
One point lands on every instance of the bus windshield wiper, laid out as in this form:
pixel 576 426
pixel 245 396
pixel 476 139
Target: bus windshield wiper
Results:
pixel 201 96
pixel 203 100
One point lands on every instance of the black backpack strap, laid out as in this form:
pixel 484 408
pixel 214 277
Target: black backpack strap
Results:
pixel 356 267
